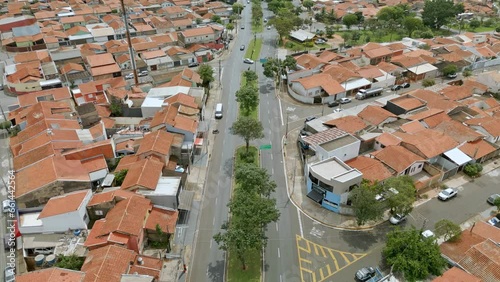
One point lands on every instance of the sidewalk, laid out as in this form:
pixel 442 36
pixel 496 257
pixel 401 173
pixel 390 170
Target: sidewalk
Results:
pixel 297 190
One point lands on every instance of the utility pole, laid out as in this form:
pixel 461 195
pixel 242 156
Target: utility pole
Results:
pixel 3 113
pixel 286 125
pixel 130 47
pixel 220 74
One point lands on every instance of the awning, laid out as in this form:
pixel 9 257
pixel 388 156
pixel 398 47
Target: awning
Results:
pixel 186 200
pixel 457 156
pixel 198 142
pixel 315 196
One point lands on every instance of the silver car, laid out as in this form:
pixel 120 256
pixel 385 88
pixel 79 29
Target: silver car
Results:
pixel 491 199
pixel 365 273
pixel 397 219
pixel 447 194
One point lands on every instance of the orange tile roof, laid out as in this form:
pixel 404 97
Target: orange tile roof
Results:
pixel 167 219
pixel 456 274
pixel 100 60
pixel 483 260
pixel 340 74
pixel 324 81
pixel 52 274
pixel 94 164
pixel 107 264
pixel 158 142
pixel 107 197
pixel 375 115
pixel 388 139
pixel 457 93
pixel 490 124
pixel 397 157
pixel 434 100
pixel 412 127
pixel 66 203
pixel 163 116
pixel 143 174
pixel 425 114
pixel 185 123
pixel 309 61
pixel 351 124
pixel 31 157
pixel 458 131
pixel 372 169
pixel 430 143
pixel 126 162
pixel 436 119
pixel 477 149
pixel 182 99
pixel 199 31
pixel 57 94
pixel 408 103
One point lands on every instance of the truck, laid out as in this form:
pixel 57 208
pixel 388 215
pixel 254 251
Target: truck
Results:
pixel 367 93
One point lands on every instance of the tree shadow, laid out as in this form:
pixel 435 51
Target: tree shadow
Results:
pixel 228 167
pixel 215 271
pixel 366 240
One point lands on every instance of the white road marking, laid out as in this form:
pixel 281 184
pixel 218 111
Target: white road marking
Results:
pixel 281 278
pixel 277 227
pixel 271 157
pixel 272 170
pixel 279 254
pixel 216 201
pixel 221 72
pixel 211 243
pixel 281 114
pixel 207 270
pixel 300 224
pixel 213 222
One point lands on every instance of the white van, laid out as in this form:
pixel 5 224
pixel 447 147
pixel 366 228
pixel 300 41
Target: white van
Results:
pixel 218 111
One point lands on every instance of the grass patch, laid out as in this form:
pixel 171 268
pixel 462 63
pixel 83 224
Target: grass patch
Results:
pixel 257 28
pixel 253 50
pixel 253 258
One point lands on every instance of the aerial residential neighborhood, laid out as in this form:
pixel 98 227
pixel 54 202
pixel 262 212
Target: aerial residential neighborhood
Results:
pixel 250 140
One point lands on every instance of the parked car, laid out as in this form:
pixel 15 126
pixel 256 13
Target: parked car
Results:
pixel 427 234
pixel 337 110
pixel 365 273
pixel 405 85
pixel 143 73
pixel 333 104
pixel 397 218
pixel 396 87
pixel 447 194
pixel 268 27
pixel 309 118
pixel 345 100
pixel 452 75
pixel 491 199
pixel 320 41
pixel 242 47
pixel 248 61
pixel 129 76
pixel 242 27
pixel 193 64
pixel 304 133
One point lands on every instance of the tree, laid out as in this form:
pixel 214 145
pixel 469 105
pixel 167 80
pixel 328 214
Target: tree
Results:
pixel 120 176
pixel 448 229
pixel 115 106
pixel 349 20
pixel 250 76
pixel 402 202
pixel 366 207
pixel 239 240
pixel 411 24
pixel 437 13
pixel 162 239
pixel 248 97
pixel 237 8
pixel 496 203
pixel 308 4
pixel 411 255
pixel 216 19
pixel 329 31
pixel 254 179
pixel 72 262
pixel 273 67
pixel 474 23
pixel 247 128
pixel 428 82
pixel 391 13
pixel 285 22
pixel 199 20
pixel 206 73
pixel 252 210
pixel 450 69
pixel 473 170
pixel 230 26
pixel 467 73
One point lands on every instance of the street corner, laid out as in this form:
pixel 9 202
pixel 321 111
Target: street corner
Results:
pixel 318 263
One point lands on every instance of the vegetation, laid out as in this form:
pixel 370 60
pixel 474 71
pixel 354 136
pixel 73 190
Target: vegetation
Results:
pixel 248 97
pixel 412 255
pixel 163 239
pixel 115 106
pixel 274 68
pixel 402 202
pixel 350 20
pixel 247 128
pixel 120 176
pixel 473 170
pixel 437 13
pixel 238 8
pixel 496 203
pixel 450 69
pixel 5 125
pixel 253 50
pixel 467 73
pixel 326 18
pixel 206 73
pixel 250 77
pixel 447 229
pixel 428 82
pixel 72 262
pixel 366 207
pixel 285 21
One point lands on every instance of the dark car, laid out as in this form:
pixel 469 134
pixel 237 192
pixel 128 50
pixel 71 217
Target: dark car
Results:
pixel 310 118
pixel 193 64
pixel 242 47
pixel 396 87
pixel 405 85
pixel 333 104
pixel 365 273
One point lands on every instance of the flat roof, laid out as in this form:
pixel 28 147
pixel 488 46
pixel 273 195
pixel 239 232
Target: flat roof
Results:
pixel 339 142
pixel 30 220
pixel 329 168
pixel 457 156
pixel 167 186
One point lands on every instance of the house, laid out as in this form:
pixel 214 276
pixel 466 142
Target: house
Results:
pixel 490 79
pixel 404 104
pixel 318 87
pixel 376 53
pixel 329 182
pixel 400 160
pixel 143 174
pixel 156 144
pixel 333 142
pixel 310 61
pixel 372 169
pixel 487 126
pixel 116 264
pixel 377 116
pixel 456 274
pixel 101 203
pixel 200 35
pixel 480 150
pixel 168 119
pixel 102 66
pixel 57 95
pixel 61 213
pixel 51 274
pixel 73 74
pixel 157 60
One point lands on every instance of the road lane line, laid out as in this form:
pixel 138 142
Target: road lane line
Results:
pixel 271 157
pixel 281 114
pixel 213 222
pixel 211 243
pixel 279 254
pixel 300 224
pixel 272 170
pixel 216 201
pixel 276 227
pixel 281 278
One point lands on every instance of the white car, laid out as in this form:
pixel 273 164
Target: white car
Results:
pixel 447 194
pixel 397 219
pixel 345 100
pixel 337 110
pixel 427 234
pixel 248 61
pixel 129 76
pixel 143 73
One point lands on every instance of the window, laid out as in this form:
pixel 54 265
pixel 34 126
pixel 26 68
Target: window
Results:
pixel 98 212
pixel 325 186
pixel 313 179
pixel 420 166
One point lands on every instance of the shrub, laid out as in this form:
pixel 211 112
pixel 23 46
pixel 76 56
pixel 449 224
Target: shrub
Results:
pixel 467 73
pixel 473 170
pixel 488 22
pixel 247 157
pixel 5 125
pixel 428 82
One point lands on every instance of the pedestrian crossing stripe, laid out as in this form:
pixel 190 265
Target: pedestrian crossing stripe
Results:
pixel 318 263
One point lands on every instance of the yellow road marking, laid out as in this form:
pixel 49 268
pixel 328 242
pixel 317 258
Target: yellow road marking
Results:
pixel 345 258
pixel 328 270
pixel 334 260
pixel 323 251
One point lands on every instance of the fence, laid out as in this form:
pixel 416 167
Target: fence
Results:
pixel 485 64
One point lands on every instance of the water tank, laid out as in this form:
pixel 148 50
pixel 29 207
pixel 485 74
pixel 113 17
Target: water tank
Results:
pixel 51 260
pixel 77 232
pixel 39 260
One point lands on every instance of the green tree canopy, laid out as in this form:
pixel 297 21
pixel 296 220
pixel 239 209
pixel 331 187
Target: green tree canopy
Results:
pixel 216 19
pixel 252 210
pixel 411 24
pixel 437 13
pixel 237 8
pixel 366 207
pixel 412 255
pixel 230 26
pixel 308 4
pixel 285 22
pixel 120 176
pixel 206 73
pixel 252 178
pixel 248 97
pixel 402 202
pixel 247 128
pixel 349 20
pixel 70 262
pixel 274 67
pixel 447 229
pixel 450 69
pixel 250 76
